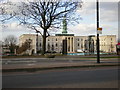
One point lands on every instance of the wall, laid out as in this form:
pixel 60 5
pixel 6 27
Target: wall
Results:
pixel 74 43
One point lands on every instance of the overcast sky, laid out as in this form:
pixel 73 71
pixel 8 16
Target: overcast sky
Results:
pixel 87 25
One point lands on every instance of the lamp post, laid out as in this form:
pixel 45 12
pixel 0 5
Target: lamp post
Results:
pixel 37 42
pixel 98 46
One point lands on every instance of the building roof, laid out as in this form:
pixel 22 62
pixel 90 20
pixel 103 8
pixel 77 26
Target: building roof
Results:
pixel 64 34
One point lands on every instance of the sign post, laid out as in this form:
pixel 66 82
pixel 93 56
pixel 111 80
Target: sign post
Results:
pixel 98 46
pixel 99 30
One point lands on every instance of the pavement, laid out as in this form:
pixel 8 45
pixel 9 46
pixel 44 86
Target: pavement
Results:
pixel 34 64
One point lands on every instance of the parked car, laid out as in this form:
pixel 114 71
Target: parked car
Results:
pixel 118 48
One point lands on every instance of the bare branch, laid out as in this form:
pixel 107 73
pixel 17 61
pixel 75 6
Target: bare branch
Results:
pixel 45 15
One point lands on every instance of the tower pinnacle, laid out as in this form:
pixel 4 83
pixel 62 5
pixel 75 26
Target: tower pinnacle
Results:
pixel 64 26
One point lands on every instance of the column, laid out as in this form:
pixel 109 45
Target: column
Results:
pixel 67 44
pixel 70 44
pixel 73 45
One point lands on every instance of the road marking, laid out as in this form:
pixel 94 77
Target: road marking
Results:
pixel 30 64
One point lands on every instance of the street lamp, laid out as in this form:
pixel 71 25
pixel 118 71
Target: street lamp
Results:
pixel 37 42
pixel 98 46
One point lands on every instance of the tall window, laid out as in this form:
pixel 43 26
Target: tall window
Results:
pixel 40 44
pixel 111 39
pixel 81 39
pixel 56 39
pixel 52 47
pixel 56 45
pixel 48 47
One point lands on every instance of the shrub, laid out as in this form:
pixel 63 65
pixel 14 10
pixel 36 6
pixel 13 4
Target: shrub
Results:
pixel 49 55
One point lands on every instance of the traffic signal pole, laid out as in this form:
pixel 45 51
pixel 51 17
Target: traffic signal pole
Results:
pixel 98 45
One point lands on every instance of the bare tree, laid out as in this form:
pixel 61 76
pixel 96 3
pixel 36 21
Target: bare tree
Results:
pixel 45 15
pixel 10 42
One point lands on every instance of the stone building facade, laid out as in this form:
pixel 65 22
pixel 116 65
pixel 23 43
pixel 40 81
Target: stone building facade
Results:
pixel 74 43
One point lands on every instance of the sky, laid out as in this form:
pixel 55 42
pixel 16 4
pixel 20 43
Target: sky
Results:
pixel 87 26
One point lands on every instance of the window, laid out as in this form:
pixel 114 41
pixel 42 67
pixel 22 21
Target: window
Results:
pixel 56 39
pixel 78 39
pixel 81 39
pixel 56 45
pixel 40 44
pixel 111 39
pixel 78 44
pixel 52 47
pixel 48 47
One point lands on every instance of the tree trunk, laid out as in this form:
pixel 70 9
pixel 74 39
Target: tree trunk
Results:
pixel 44 42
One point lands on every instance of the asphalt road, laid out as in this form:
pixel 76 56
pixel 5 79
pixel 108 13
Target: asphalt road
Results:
pixel 18 63
pixel 11 61
pixel 106 77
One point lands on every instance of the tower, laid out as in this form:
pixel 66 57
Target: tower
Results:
pixel 64 31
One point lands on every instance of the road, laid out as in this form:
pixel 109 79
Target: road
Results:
pixel 106 77
pixel 36 60
pixel 51 62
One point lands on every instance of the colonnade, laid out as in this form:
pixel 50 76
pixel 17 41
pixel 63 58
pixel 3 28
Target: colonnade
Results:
pixel 70 44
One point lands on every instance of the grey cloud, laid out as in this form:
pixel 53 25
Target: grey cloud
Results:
pixel 108 10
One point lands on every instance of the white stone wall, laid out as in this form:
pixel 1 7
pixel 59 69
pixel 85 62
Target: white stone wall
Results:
pixel 80 42
pixel 107 43
pixel 54 43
